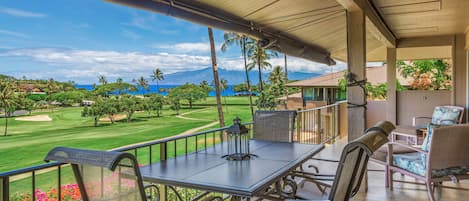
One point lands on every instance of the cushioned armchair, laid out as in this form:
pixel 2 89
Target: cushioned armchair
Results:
pixel 442 115
pixel 352 164
pixel 443 157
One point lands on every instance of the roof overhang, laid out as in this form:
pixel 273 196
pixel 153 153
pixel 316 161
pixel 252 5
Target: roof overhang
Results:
pixel 205 14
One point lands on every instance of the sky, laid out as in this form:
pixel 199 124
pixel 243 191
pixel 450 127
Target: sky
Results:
pixel 80 40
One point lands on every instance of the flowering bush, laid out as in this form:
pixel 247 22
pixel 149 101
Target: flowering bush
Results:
pixel 69 192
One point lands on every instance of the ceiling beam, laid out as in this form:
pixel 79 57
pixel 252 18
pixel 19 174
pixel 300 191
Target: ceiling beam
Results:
pixel 429 41
pixel 204 14
pixel 387 36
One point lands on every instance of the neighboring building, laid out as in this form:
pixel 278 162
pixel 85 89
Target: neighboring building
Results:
pixel 324 89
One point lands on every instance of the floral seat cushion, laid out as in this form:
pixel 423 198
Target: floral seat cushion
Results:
pixel 445 115
pixel 413 162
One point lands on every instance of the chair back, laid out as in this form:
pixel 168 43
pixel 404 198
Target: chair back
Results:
pixel 447 115
pixel 102 175
pixel 354 160
pixel 449 147
pixel 273 125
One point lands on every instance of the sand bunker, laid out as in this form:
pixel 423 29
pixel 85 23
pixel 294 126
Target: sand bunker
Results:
pixel 117 117
pixel 35 118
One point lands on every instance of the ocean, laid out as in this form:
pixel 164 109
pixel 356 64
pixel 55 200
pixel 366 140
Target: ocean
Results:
pixel 153 89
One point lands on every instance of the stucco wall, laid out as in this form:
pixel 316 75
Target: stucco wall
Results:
pixel 376 111
pixel 419 103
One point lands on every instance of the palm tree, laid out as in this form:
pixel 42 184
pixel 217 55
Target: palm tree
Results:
pixel 51 88
pixel 276 75
pixel 158 76
pixel 221 118
pixel 102 80
pixel 143 83
pixel 259 57
pixel 119 82
pixel 223 86
pixel 7 100
pixel 241 40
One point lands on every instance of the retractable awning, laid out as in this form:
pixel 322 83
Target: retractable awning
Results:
pixel 201 12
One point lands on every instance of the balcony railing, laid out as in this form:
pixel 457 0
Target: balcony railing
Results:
pixel 318 125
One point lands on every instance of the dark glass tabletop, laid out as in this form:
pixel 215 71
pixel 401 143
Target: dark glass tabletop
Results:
pixel 207 170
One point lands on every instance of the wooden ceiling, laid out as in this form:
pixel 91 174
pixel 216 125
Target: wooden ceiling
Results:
pixel 416 18
pixel 322 23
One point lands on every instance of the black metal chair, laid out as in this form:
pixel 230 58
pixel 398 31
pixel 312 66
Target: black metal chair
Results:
pixel 353 163
pixel 104 175
pixel 274 125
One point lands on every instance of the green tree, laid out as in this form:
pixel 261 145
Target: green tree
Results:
pixel 154 103
pixel 96 111
pixel 102 80
pixel 7 100
pixel 143 84
pixel 158 76
pixel 130 104
pixel 260 57
pixel 68 97
pixel 119 87
pixel 277 80
pixel 111 107
pixel 266 100
pixel 245 43
pixel 52 87
pixel 204 85
pixel 175 104
pixel 431 74
pixel 189 92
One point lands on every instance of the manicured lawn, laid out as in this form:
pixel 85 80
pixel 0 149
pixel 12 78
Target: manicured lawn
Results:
pixel 28 142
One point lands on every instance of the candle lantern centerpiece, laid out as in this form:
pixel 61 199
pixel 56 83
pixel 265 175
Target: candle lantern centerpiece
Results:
pixel 238 142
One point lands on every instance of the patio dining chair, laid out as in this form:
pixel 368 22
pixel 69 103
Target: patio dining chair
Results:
pixel 353 163
pixel 442 115
pixel 274 125
pixel 442 157
pixel 103 175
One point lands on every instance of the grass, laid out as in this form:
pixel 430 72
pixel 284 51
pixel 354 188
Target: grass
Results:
pixel 28 142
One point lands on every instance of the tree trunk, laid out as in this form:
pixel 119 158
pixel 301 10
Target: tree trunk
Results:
pixel 286 82
pixel 111 117
pixel 96 119
pixel 190 104
pixel 129 117
pixel 261 85
pixel 248 83
pixel 157 87
pixel 6 122
pixel 221 118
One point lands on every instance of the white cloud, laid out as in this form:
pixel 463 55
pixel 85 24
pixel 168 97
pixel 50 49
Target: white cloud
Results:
pixel 197 47
pixel 20 13
pixel 13 33
pixel 84 66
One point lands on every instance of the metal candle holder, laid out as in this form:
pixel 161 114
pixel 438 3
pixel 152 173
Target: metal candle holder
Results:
pixel 238 142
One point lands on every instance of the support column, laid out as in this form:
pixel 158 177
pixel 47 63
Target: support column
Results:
pixel 356 59
pixel 391 103
pixel 460 71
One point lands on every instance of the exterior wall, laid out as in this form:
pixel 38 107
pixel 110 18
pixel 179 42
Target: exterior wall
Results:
pixel 419 103
pixel 376 111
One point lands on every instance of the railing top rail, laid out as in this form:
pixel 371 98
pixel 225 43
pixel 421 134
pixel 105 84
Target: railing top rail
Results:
pixel 323 107
pixel 153 142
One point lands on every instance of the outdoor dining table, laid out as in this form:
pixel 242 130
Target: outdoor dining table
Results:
pixel 207 170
